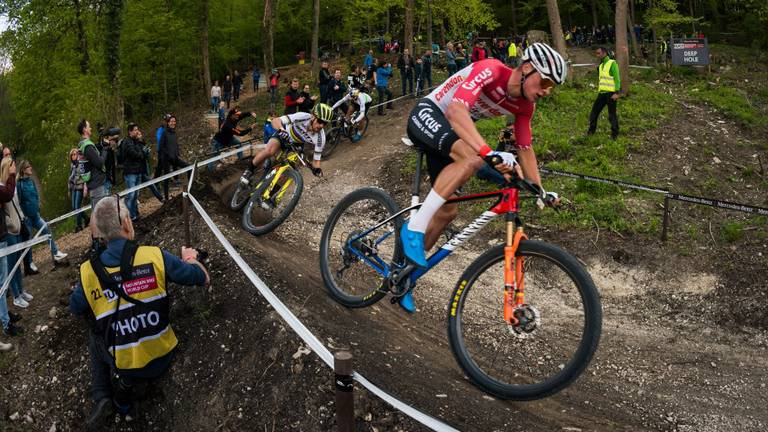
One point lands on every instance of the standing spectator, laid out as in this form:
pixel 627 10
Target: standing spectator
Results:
pixel 91 169
pixel 237 85
pixel 368 61
pixel 371 72
pixel 256 77
pixel 274 83
pixel 14 218
pixel 134 166
pixel 293 98
pixel 225 137
pixel 355 78
pixel 115 349
pixel 495 53
pixel 427 75
pixel 461 57
pixel 158 136
pixel 405 64
pixel 336 87
pixel 383 72
pixel 215 95
pixel 222 114
pixel 227 89
pixel 450 59
pixel 169 149
pixel 478 52
pixel 419 76
pixel 609 85
pixel 145 176
pixel 29 199
pixel 309 100
pixel 323 81
pixel 7 319
pixel 512 53
pixel 75 189
pixel 108 142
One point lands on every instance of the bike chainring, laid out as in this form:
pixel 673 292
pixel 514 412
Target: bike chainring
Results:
pixel 528 318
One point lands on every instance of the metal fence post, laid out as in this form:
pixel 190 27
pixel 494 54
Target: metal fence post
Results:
pixel 665 223
pixel 345 402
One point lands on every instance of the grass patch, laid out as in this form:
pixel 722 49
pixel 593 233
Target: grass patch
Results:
pixel 732 102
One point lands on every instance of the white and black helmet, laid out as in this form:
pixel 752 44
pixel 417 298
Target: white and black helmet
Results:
pixel 547 61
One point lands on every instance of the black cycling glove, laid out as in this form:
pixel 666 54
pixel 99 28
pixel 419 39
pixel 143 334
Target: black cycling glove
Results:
pixel 318 172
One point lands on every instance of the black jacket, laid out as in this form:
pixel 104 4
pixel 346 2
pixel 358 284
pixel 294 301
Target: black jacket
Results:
pixel 227 87
pixel 169 145
pixel 229 129
pixel 291 106
pixel 404 64
pixel 237 81
pixel 308 103
pixel 334 95
pixel 325 76
pixel 134 160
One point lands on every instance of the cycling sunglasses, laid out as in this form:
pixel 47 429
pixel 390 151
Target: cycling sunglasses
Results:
pixel 321 122
pixel 545 82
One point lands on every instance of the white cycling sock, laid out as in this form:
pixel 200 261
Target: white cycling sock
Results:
pixel 420 220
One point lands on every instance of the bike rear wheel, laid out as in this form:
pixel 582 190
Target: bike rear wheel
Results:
pixel 348 259
pixel 263 214
pixel 547 355
pixel 333 139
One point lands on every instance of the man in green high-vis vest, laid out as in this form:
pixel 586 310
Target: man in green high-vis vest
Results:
pixel 607 92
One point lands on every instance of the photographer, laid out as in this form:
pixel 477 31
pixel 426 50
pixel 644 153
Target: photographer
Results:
pixel 135 156
pixel 134 344
pixel 108 141
pixel 92 162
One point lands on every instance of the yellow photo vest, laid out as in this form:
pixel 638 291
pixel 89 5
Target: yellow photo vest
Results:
pixel 136 334
pixel 607 83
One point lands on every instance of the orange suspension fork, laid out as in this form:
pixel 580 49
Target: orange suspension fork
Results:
pixel 514 284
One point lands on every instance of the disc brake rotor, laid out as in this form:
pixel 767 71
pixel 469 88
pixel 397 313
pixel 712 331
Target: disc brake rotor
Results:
pixel 529 320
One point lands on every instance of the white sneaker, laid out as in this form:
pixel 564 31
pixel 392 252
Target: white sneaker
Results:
pixel 20 302
pixel 27 296
pixel 59 256
pixel 33 267
pixel 5 346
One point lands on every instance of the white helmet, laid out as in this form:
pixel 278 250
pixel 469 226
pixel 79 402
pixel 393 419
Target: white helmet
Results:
pixel 547 61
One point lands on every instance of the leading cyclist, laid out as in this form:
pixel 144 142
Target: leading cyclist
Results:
pixel 442 124
pixel 300 128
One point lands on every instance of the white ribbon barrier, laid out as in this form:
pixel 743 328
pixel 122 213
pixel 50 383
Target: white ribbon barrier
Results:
pixel 310 339
pixel 27 245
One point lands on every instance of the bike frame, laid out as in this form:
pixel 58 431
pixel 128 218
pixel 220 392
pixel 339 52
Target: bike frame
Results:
pixel 507 203
pixel 287 158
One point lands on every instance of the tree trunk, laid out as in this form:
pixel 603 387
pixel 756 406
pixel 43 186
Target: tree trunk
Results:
pixel 594 13
pixel 514 18
pixel 632 16
pixel 408 31
pixel 387 24
pixel 429 24
pixel 315 37
pixel 81 39
pixel 268 46
pixel 204 12
pixel 556 27
pixel 622 50
pixel 632 39
pixel 443 40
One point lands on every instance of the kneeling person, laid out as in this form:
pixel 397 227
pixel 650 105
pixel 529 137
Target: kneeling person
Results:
pixel 122 294
pixel 300 128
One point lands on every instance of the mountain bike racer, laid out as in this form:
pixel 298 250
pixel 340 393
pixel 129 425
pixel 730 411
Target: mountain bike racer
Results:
pixel 361 101
pixel 300 128
pixel 442 124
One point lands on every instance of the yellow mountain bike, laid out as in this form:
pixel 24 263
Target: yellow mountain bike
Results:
pixel 276 193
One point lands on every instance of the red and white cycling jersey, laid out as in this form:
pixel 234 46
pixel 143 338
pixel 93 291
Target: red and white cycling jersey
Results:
pixel 482 88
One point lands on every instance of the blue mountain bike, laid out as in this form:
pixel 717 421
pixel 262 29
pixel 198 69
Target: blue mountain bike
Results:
pixel 524 319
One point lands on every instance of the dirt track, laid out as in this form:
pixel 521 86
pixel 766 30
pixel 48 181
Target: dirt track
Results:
pixel 663 363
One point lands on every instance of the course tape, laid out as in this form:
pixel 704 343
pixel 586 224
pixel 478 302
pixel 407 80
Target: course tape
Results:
pixel 310 339
pixel 595 64
pixel 728 205
pixel 27 245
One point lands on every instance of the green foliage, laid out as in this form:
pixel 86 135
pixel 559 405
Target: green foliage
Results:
pixel 733 102
pixel 732 231
pixel 666 20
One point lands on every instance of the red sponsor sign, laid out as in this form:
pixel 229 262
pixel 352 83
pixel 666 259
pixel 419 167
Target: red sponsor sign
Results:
pixel 135 286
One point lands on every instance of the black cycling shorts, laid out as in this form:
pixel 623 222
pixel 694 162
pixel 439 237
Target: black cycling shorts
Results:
pixel 430 131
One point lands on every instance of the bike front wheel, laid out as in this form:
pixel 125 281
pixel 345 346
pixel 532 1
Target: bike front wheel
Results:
pixel 357 249
pixel 272 201
pixel 559 331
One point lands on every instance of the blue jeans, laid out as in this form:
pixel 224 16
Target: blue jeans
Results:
pixel 36 222
pixel 143 178
pixel 77 202
pixel 4 318
pixel 215 103
pixel 132 199
pixel 15 286
pixel 217 147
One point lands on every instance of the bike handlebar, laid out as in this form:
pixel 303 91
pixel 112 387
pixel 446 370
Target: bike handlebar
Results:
pixel 516 182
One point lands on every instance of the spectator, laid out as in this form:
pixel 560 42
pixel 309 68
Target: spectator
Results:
pixel 368 61
pixel 609 86
pixel 237 85
pixel 461 57
pixel 108 142
pixel 256 77
pixel 145 176
pixel 30 269
pixel 274 83
pixel 336 88
pixel 478 52
pixel 293 98
pixel 419 76
pixel 323 81
pixel 355 78
pixel 7 319
pixel 30 205
pixel 405 64
pixel 75 190
pixel 370 73
pixel 116 348
pixel 134 166
pixel 227 89
pixel 450 58
pixel 14 218
pixel 91 169
pixel 512 54
pixel 222 114
pixel 215 95
pixel 383 72
pixel 427 75
pixel 158 136
pixel 225 137
pixel 170 154
pixel 309 100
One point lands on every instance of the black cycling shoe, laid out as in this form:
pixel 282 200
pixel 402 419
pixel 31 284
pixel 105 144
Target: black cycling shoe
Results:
pixel 101 411
pixel 13 330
